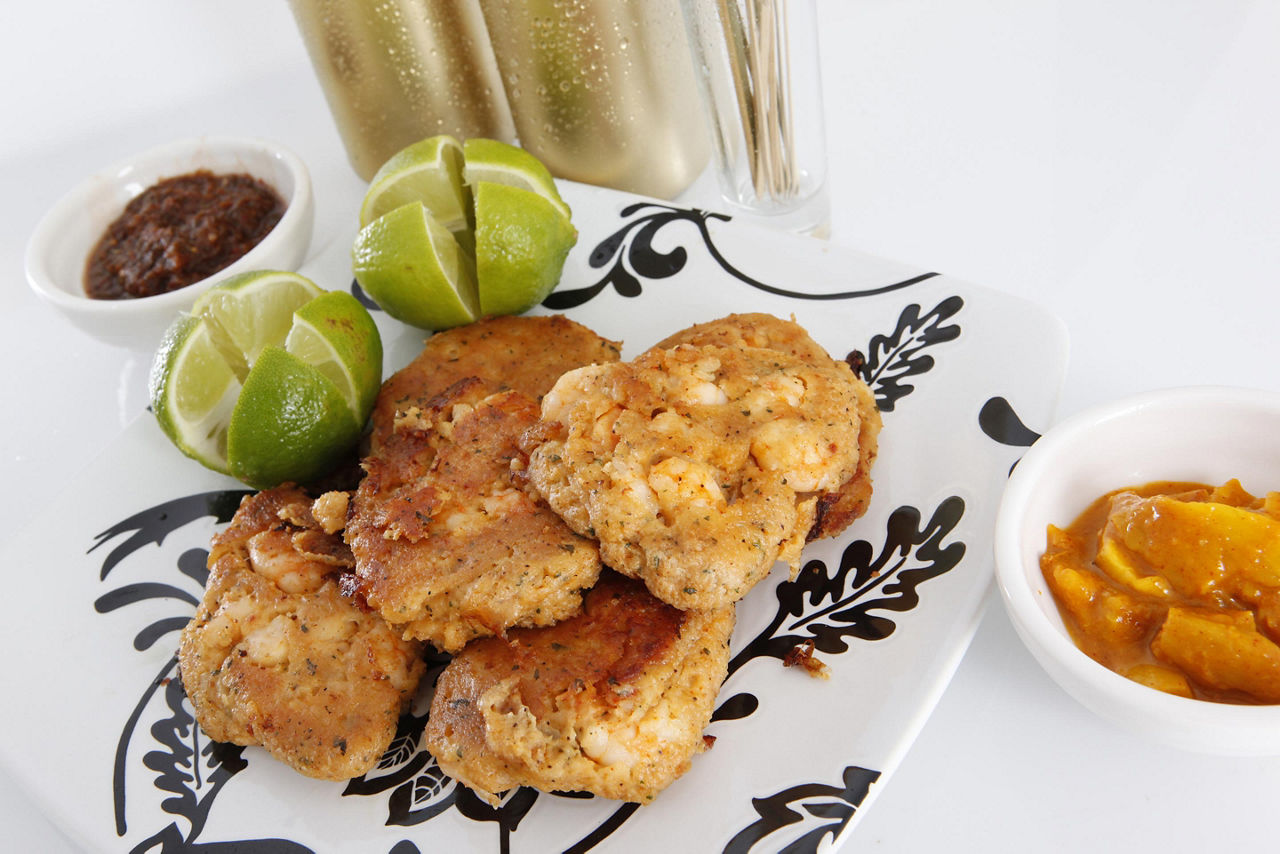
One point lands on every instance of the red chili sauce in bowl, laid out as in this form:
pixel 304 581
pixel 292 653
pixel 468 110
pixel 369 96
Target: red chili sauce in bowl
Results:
pixel 180 231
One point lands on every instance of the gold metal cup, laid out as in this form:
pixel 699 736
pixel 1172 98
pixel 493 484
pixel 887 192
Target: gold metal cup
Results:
pixel 602 91
pixel 397 71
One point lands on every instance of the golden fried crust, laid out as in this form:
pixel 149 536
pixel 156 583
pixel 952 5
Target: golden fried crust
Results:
pixel 697 467
pixel 276 656
pixel 525 354
pixel 449 545
pixel 838 508
pixel 750 330
pixel 612 701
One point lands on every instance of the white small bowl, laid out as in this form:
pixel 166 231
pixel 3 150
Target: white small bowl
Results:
pixel 1203 434
pixel 60 245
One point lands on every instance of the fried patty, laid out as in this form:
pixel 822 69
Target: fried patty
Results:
pixel 275 655
pixel 837 509
pixel 698 467
pixel 613 701
pixel 449 544
pixel 525 354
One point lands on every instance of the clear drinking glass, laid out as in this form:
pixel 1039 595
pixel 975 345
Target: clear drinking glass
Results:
pixel 758 69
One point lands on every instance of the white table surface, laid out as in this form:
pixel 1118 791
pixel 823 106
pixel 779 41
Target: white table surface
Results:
pixel 1115 161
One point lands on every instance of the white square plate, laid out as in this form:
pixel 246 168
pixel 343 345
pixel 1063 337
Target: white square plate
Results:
pixel 99 587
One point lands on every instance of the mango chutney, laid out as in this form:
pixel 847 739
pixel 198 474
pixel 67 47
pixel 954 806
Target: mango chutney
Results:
pixel 1176 586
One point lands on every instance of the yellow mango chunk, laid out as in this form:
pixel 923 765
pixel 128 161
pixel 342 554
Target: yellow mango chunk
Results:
pixel 1222 650
pixel 1097 611
pixel 1114 559
pixel 1268 614
pixel 1161 678
pixel 1206 550
pixel 1271 505
pixel 1232 492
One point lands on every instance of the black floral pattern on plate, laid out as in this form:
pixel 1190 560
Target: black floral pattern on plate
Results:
pixel 628 256
pixel 863 597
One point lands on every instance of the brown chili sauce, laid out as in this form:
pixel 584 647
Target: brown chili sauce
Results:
pixel 179 231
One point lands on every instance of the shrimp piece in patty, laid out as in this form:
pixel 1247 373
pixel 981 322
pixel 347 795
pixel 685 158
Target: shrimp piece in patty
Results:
pixel 836 509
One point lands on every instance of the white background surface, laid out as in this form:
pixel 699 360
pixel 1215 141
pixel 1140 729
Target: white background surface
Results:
pixel 1114 161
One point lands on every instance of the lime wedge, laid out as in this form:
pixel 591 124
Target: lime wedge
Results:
pixel 522 241
pixel 269 379
pixel 290 423
pixel 488 160
pixel 479 229
pixel 251 310
pixel 193 390
pixel 415 270
pixel 336 335
pixel 430 172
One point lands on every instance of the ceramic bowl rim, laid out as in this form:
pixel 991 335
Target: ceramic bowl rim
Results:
pixel 1099 688
pixel 47 239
